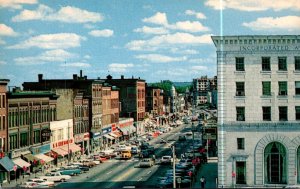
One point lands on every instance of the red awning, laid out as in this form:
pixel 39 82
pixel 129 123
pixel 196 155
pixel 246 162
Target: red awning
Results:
pixel 59 151
pixel 72 147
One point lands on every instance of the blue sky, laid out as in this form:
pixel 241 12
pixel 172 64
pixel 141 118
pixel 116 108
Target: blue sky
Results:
pixel 151 39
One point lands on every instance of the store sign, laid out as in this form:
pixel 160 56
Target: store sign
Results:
pixel 79 138
pixel 40 149
pixel 46 134
pixel 268 48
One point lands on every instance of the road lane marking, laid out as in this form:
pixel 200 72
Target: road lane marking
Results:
pixel 140 179
pixel 148 172
pixel 109 172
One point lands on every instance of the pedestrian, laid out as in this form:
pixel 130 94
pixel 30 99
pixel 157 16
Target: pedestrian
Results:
pixel 202 181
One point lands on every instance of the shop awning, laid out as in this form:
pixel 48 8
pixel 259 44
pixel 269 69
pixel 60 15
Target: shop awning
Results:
pixel 116 134
pixel 109 137
pixel 44 157
pixel 72 147
pixel 21 163
pixel 7 164
pixel 60 151
pixel 30 157
pixel 125 130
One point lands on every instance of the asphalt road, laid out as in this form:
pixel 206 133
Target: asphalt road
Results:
pixel 119 173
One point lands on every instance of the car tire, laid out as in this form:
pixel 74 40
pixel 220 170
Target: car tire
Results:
pixel 62 180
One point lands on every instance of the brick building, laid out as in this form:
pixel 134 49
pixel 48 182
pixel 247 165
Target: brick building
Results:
pixel 3 116
pixel 132 96
pixel 154 101
pixel 74 94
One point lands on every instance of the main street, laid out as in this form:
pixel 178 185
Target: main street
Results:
pixel 116 173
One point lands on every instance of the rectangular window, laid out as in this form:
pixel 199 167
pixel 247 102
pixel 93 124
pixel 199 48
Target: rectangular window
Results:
pixel 282 66
pixel 266 64
pixel 266 113
pixel 241 143
pixel 240 113
pixel 36 137
pixel 13 141
pixel 297 110
pixel 297 63
pixel 239 64
pixel 23 139
pixel 240 88
pixel 1 123
pixel 282 88
pixel 297 87
pixel 240 172
pixel 283 113
pixel 1 96
pixel 266 88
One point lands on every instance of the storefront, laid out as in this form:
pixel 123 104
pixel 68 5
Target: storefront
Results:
pixel 83 140
pixel 6 167
pixel 95 141
pixel 127 128
pixel 108 140
pixel 39 152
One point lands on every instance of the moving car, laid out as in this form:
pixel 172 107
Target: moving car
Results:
pixel 126 154
pixel 166 160
pixel 70 170
pixel 146 162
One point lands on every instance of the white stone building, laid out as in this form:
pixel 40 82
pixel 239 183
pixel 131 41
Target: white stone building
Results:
pixel 258 110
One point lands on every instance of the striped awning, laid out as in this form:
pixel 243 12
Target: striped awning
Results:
pixel 7 163
pixel 21 163
pixel 44 157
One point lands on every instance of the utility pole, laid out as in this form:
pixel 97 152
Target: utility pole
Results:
pixel 174 162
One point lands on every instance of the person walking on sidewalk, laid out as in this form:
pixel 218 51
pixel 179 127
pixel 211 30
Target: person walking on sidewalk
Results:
pixel 202 181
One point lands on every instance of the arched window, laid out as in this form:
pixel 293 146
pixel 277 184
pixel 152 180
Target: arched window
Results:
pixel 275 163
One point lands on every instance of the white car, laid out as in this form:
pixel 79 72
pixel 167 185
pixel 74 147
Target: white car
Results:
pixel 166 160
pixel 147 162
pixel 42 182
pixel 56 177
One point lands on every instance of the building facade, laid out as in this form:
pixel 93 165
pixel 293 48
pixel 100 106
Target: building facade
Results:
pixel 202 88
pixel 3 117
pixel 154 101
pixel 258 110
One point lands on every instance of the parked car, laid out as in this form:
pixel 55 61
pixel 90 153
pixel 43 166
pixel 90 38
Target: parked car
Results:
pixel 182 138
pixel 29 185
pixel 70 170
pixel 88 163
pixel 146 162
pixel 166 160
pixel 83 168
pixel 56 177
pixel 42 182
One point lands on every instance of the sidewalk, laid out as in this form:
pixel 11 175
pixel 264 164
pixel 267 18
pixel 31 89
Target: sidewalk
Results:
pixel 210 173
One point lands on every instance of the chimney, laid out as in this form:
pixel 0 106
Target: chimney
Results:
pixel 109 77
pixel 40 77
pixel 16 89
pixel 80 73
pixel 122 76
pixel 75 77
pixel 85 77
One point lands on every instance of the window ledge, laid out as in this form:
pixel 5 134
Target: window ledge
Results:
pixel 282 72
pixel 240 97
pixel 266 72
pixel 239 72
pixel 296 96
pixel 266 96
pixel 282 96
pixel 296 72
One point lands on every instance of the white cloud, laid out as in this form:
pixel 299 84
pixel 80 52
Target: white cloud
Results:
pixel 254 5
pixel 290 23
pixel 2 62
pixel 102 33
pixel 16 4
pixel 152 30
pixel 87 57
pixel 159 18
pixel 57 55
pixel 203 60
pixel 183 51
pixel 189 26
pixel 198 15
pixel 51 41
pixel 66 14
pixel 169 40
pixel 119 68
pixel 199 68
pixel 7 31
pixel 76 64
pixel 157 58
